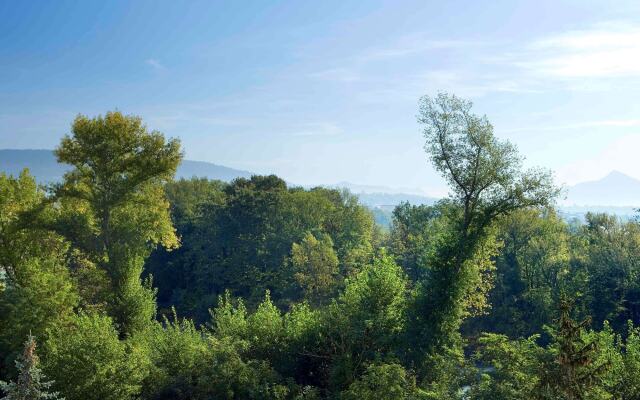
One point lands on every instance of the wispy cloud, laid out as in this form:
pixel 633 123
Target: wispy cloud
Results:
pixel 596 58
pixel 357 67
pixel 607 50
pixel 318 129
pixel 410 45
pixel 608 123
pixel 155 64
pixel 337 74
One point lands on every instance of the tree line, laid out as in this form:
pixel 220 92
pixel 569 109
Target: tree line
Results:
pixel 122 283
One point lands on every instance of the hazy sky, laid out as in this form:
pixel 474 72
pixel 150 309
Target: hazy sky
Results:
pixel 327 91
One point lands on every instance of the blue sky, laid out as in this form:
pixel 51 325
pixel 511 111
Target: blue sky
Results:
pixel 327 91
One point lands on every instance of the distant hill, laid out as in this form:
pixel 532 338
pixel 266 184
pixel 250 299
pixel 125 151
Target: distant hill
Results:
pixel 393 199
pixel 43 166
pixel 615 189
pixel 382 196
pixel 358 188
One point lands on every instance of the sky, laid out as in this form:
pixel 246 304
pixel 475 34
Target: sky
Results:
pixel 321 92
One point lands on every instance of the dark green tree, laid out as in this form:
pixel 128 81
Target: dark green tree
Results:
pixel 384 381
pixel 612 261
pixel 31 383
pixel 239 237
pixel 315 266
pixel 574 372
pixel 533 267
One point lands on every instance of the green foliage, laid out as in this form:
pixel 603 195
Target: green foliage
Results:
pixel 116 185
pixel 532 268
pixel 373 303
pixel 36 289
pixel 240 237
pixel 43 297
pixel 88 361
pixel 179 353
pixel 384 381
pixel 309 299
pixel 229 376
pixel 577 364
pixel 625 370
pixel 316 267
pixel 416 234
pixel 613 265
pixel 31 383
pixel 576 370
pixel 513 367
pixel 486 181
pixel 367 320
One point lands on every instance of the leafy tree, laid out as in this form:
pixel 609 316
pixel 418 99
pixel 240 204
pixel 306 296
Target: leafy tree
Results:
pixel 316 267
pixel 512 368
pixel 416 233
pixel 367 320
pixel 384 381
pixel 229 376
pixel 575 370
pixel 117 186
pixel 43 298
pixel 532 269
pixel 31 383
pixel 179 354
pixel 37 291
pixel 241 238
pixel 626 372
pixel 486 182
pixel 612 260
pixel 88 360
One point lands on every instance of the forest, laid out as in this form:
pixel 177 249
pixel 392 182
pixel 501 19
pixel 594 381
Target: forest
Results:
pixel 121 283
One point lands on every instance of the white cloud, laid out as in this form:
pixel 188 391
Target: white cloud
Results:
pixel 609 50
pixel 415 44
pixel 608 123
pixel 355 68
pixel 155 64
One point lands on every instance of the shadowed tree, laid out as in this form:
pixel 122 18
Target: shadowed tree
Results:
pixel 316 267
pixel 31 383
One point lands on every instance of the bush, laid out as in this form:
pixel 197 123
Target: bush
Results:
pixel 89 362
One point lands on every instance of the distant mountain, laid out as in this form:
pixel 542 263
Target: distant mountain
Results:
pixel 203 169
pixel 357 188
pixel 615 189
pixel 393 199
pixel 43 166
pixel 382 196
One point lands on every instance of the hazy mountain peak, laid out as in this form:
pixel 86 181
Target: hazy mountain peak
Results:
pixel 615 189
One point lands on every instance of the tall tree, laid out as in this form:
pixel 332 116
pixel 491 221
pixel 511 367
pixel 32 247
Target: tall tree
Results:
pixel 31 383
pixel 487 181
pixel 116 186
pixel 575 372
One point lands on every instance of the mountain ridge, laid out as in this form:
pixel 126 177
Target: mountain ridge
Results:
pixel 616 189
pixel 44 167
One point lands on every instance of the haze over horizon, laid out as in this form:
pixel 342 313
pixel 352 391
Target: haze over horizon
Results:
pixel 328 92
